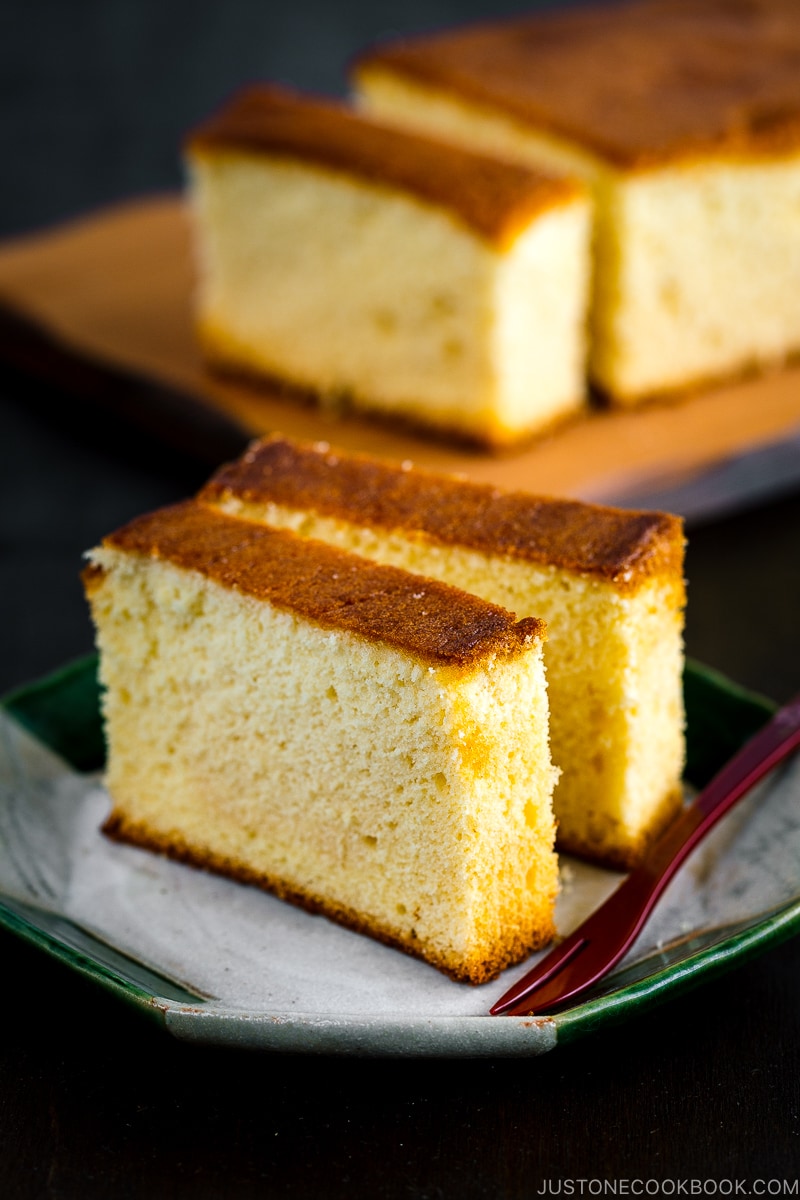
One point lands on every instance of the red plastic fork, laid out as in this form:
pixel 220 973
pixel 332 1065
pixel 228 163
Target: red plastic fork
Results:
pixel 599 943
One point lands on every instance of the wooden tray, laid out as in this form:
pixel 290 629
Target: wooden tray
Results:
pixel 110 295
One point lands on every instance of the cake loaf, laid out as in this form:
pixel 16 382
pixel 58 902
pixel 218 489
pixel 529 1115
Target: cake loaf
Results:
pixel 360 741
pixel 386 272
pixel 607 582
pixel 684 118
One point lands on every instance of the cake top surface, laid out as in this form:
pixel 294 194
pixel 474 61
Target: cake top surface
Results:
pixel 623 547
pixel 431 621
pixel 639 84
pixel 495 199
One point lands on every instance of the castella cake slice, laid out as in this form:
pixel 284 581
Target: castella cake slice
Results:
pixel 398 275
pixel 607 582
pixel 684 117
pixel 363 742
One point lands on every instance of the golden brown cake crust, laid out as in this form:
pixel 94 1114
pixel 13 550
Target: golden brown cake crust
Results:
pixel 429 620
pixel 639 85
pixel 477 970
pixel 626 548
pixel 494 199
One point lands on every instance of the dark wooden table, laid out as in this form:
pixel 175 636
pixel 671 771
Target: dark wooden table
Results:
pixel 97 1102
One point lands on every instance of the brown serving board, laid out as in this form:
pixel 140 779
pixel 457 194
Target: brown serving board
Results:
pixel 114 291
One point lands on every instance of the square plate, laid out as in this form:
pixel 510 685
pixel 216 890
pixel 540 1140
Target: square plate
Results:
pixel 214 961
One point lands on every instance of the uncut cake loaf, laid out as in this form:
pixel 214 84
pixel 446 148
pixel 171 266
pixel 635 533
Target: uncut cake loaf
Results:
pixel 387 272
pixel 684 118
pixel 607 582
pixel 360 741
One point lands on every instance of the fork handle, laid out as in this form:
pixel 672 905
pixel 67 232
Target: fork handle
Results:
pixel 757 757
pixel 600 942
pixel 633 901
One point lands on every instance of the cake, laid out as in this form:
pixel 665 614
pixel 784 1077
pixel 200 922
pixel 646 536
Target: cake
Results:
pixel 365 743
pixel 684 118
pixel 607 582
pixel 388 273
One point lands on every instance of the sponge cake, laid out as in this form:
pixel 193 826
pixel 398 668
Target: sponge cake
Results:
pixel 387 272
pixel 360 741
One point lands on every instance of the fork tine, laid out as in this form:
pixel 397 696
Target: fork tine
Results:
pixel 552 965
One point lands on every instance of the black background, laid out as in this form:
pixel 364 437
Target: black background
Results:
pixel 96 1102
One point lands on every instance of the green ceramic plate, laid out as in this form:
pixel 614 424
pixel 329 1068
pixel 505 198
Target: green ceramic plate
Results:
pixel 216 962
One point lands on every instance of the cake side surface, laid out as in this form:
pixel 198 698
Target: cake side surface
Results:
pixel 662 81
pixel 697 276
pixel 613 602
pixel 293 260
pixel 407 799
